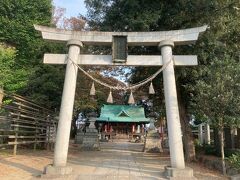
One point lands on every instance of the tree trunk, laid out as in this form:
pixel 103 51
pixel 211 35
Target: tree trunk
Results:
pixel 188 143
pixel 238 138
pixel 217 141
pixel 222 150
pixel 228 138
pixel 73 128
pixel 233 130
pixel 188 140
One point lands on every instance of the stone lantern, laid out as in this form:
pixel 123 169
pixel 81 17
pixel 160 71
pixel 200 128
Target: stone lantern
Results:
pixel 90 139
pixel 153 143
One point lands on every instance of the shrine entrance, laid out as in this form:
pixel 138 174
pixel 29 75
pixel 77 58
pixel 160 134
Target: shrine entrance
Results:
pixel 164 40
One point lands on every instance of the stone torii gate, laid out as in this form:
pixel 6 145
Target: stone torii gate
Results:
pixel 165 40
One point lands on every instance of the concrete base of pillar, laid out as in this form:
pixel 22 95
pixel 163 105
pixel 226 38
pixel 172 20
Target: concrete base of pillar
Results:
pixel 51 171
pixel 179 174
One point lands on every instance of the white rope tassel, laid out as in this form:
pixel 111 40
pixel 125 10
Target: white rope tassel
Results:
pixel 131 99
pixel 151 89
pixel 93 91
pixel 110 98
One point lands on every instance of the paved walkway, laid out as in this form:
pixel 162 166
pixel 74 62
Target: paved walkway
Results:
pixel 120 160
pixel 116 161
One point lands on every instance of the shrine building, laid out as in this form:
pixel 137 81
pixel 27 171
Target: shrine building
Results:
pixel 122 121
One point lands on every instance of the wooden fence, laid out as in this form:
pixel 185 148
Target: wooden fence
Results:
pixel 22 122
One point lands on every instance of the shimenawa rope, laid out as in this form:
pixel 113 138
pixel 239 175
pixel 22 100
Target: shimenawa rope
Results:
pixel 131 87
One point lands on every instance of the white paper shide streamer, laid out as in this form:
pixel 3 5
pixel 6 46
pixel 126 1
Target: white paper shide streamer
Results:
pixel 93 91
pixel 151 89
pixel 110 98
pixel 131 99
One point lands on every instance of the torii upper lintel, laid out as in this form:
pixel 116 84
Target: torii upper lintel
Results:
pixel 179 37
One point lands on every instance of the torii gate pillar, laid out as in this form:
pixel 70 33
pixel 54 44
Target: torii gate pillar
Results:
pixel 174 127
pixel 66 111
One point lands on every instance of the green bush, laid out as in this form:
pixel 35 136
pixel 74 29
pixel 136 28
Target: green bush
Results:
pixel 230 152
pixel 198 146
pixel 197 143
pixel 234 160
pixel 210 150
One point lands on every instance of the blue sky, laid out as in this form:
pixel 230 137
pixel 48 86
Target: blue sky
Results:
pixel 73 7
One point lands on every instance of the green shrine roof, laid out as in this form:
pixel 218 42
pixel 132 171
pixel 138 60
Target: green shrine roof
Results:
pixel 123 113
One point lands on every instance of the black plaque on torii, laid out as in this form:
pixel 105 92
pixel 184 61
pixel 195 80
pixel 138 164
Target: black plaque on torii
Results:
pixel 119 49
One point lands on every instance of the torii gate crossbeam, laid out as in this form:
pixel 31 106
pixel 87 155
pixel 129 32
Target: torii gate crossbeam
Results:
pixel 165 40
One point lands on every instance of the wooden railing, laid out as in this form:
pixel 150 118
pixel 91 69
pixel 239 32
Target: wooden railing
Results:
pixel 23 122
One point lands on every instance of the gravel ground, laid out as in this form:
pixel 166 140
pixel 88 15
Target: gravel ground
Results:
pixel 116 160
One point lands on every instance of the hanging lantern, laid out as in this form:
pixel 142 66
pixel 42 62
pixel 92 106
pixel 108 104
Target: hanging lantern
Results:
pixel 93 91
pixel 151 89
pixel 110 98
pixel 1 96
pixel 131 99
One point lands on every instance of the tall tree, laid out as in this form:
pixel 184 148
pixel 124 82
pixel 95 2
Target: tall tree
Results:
pixel 7 59
pixel 16 24
pixel 16 29
pixel 29 76
pixel 220 83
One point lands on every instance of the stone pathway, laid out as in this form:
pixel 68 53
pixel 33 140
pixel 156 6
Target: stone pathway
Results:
pixel 116 161
pixel 121 160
